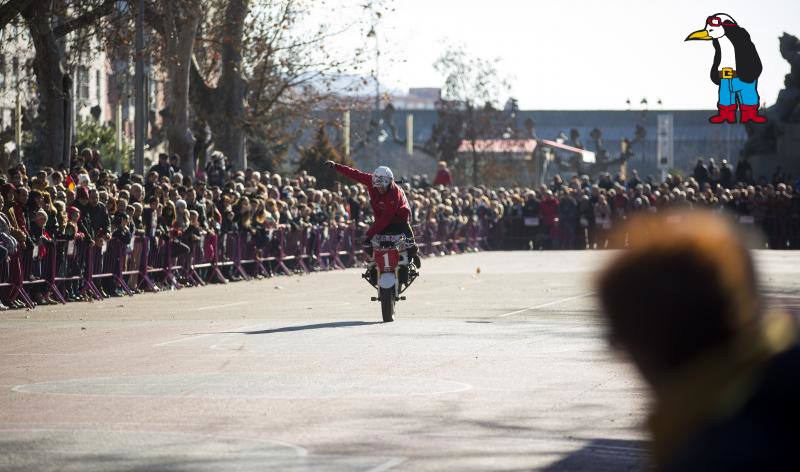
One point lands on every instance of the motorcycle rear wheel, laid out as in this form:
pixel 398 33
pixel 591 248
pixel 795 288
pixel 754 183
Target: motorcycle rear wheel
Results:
pixel 387 304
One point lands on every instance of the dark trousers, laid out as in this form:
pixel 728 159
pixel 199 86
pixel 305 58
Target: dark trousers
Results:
pixel 399 228
pixel 179 249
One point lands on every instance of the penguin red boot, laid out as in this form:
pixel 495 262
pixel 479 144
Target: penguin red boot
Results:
pixel 727 113
pixel 750 113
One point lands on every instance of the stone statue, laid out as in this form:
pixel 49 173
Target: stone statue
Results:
pixel 604 161
pixel 776 142
pixel 600 150
pixel 575 139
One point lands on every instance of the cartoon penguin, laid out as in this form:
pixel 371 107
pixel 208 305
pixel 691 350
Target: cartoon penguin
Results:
pixel 735 69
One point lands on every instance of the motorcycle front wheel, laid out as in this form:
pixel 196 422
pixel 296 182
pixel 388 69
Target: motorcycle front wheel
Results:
pixel 387 304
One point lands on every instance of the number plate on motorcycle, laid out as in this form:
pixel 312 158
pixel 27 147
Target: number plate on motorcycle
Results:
pixel 387 259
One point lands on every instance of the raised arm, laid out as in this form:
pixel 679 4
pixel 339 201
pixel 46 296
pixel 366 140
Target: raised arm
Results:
pixel 355 174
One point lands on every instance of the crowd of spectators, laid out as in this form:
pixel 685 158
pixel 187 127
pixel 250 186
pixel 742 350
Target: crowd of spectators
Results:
pixel 581 212
pixel 90 204
pixel 93 205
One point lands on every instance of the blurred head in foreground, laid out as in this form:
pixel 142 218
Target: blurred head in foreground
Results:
pixel 683 303
pixel 685 285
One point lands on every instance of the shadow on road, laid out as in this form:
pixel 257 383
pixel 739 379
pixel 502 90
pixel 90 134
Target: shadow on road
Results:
pixel 338 324
pixel 601 455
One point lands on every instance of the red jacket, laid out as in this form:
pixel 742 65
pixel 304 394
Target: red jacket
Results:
pixel 443 177
pixel 19 215
pixel 548 209
pixel 391 207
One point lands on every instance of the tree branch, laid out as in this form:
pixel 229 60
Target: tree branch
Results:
pixel 10 10
pixel 104 9
pixel 153 19
pixel 200 93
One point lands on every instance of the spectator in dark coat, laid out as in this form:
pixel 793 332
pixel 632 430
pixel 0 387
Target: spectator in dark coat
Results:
pixel 122 230
pixel 98 216
pixel 744 172
pixel 700 172
pixel 175 164
pixel 568 219
pixel 531 218
pixel 586 223
pixel 192 204
pixel 725 175
pixel 82 204
pixel 150 220
pixel 634 180
pixel 162 168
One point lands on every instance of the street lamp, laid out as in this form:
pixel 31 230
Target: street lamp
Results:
pixel 17 112
pixel 378 121
pixel 139 81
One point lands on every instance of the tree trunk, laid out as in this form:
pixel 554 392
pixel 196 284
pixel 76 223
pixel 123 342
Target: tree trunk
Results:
pixel 227 123
pixel 182 18
pixel 50 82
pixel 223 107
pixel 69 119
pixel 232 86
pixel 474 165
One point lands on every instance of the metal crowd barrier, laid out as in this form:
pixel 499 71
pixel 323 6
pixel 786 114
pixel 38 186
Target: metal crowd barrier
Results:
pixel 71 270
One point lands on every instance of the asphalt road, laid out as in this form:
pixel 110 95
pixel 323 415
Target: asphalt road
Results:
pixel 505 369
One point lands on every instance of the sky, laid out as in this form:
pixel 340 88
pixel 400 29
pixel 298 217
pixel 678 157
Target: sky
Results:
pixel 581 54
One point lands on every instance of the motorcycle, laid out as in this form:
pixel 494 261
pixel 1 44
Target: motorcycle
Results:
pixel 391 271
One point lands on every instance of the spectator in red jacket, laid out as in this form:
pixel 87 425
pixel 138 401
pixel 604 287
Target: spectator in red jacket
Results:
pixel 549 211
pixel 443 176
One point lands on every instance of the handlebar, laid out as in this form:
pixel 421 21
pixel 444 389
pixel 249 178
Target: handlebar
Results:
pixel 399 240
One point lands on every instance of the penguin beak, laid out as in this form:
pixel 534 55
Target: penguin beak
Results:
pixel 699 34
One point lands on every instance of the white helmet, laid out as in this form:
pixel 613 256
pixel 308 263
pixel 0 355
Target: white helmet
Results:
pixel 382 177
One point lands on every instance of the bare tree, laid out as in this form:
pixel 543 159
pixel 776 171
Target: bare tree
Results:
pixel 244 68
pixel 177 22
pixel 471 80
pixel 181 20
pixel 49 23
pixel 11 10
pixel 473 88
pixel 259 72
pixel 220 47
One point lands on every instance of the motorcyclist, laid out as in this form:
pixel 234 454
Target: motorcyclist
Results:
pixel 389 204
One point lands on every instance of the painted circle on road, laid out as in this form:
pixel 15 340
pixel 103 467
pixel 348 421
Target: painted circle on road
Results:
pixel 247 385
pixel 90 451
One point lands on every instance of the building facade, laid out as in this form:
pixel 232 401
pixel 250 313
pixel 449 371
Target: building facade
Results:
pixel 693 138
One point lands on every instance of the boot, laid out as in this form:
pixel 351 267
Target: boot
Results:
pixel 727 113
pixel 750 113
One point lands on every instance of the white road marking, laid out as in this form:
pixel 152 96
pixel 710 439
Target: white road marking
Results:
pixel 391 463
pixel 43 354
pixel 544 305
pixel 227 305
pixel 198 336
pixel 187 338
pixel 26 389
